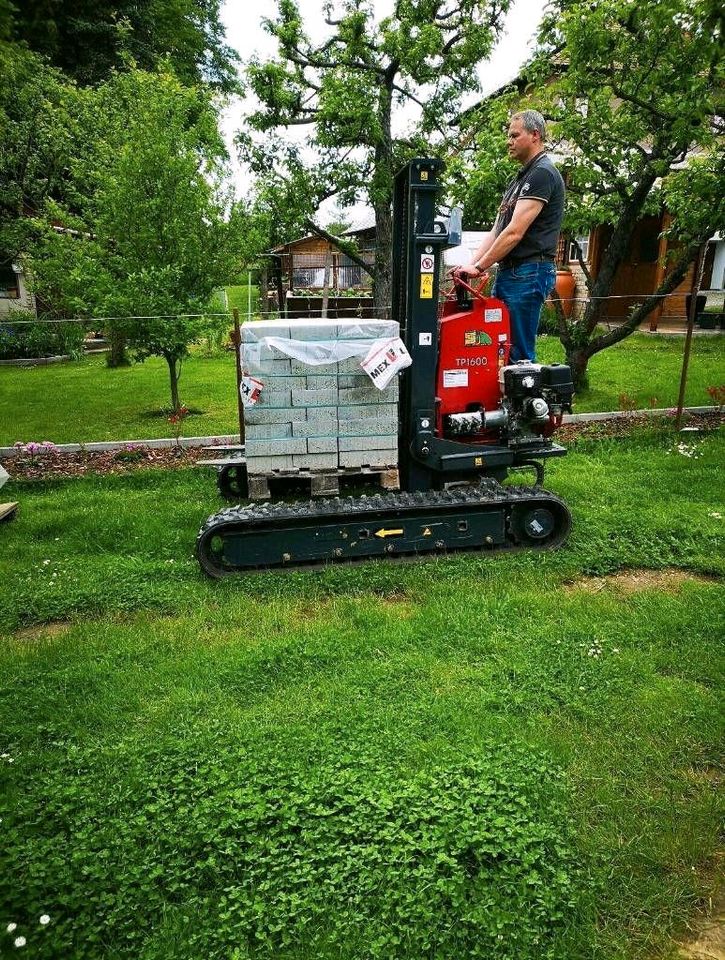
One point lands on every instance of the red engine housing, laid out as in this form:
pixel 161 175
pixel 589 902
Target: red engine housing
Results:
pixel 473 344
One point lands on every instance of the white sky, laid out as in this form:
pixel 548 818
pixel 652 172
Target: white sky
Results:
pixel 242 20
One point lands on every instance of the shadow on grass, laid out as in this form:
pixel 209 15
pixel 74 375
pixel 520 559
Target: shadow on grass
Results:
pixel 165 412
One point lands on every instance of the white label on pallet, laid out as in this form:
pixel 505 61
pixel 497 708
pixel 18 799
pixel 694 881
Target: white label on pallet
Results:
pixel 455 378
pixel 251 390
pixel 385 359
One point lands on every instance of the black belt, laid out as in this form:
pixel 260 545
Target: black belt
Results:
pixel 509 262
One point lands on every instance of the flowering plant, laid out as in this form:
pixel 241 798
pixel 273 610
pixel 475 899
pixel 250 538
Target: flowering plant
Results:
pixel 34 448
pixel 717 395
pixel 177 420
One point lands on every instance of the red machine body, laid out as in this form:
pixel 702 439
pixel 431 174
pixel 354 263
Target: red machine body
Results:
pixel 474 344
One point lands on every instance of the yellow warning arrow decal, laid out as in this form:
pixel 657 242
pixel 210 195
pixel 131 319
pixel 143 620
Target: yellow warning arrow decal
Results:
pixel 388 533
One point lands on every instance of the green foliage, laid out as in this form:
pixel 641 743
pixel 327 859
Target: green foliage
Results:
pixel 39 129
pixel 613 102
pixel 477 177
pixel 89 41
pixel 34 338
pixel 154 227
pixel 631 90
pixel 348 87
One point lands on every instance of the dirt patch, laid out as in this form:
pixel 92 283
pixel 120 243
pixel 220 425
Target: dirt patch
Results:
pixel 136 456
pixel 44 631
pixel 708 938
pixel 627 582
pixel 626 424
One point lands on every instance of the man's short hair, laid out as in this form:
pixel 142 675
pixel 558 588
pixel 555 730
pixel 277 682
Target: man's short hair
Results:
pixel 532 120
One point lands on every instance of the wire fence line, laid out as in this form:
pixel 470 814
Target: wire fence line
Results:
pixel 7 319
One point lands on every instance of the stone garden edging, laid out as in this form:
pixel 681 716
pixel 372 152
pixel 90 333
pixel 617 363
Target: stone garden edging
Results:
pixel 107 446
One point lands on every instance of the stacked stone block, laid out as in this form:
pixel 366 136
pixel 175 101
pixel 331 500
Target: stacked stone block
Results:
pixel 317 417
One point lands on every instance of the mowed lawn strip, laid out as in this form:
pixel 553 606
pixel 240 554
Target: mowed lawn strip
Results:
pixel 509 756
pixel 83 401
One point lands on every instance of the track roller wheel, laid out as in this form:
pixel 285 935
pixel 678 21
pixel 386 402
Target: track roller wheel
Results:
pixel 232 482
pixel 539 525
pixel 210 554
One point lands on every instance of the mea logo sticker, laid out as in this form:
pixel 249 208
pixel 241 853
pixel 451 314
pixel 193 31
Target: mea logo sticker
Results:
pixel 384 360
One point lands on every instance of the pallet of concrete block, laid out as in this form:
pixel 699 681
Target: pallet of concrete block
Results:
pixel 317 409
pixel 319 483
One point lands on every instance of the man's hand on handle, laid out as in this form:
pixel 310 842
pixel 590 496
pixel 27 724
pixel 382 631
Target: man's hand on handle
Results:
pixel 469 270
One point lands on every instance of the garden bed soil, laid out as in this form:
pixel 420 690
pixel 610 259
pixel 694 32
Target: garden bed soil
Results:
pixel 45 466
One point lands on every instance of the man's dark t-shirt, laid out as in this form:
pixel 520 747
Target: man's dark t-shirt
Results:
pixel 538 180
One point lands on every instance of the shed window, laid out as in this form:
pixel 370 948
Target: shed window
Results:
pixel 9 287
pixel 583 244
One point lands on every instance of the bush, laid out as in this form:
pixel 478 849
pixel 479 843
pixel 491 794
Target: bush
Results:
pixel 216 324
pixel 25 336
pixel 548 323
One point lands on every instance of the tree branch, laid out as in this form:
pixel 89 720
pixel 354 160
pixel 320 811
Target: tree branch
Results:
pixel 582 264
pixel 346 247
pixel 673 279
pixel 642 104
pixel 451 44
pixel 409 95
pixel 295 55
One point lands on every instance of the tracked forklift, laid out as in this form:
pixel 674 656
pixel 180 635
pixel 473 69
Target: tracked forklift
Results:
pixel 467 417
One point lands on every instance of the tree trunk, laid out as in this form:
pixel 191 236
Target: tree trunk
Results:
pixel 616 251
pixel 174 381
pixel 578 359
pixel 117 354
pixel 382 197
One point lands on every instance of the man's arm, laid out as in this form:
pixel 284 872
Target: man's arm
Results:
pixel 492 251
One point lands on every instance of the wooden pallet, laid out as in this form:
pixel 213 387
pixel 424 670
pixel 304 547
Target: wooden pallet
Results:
pixel 7 510
pixel 230 461
pixel 321 483
pixel 228 449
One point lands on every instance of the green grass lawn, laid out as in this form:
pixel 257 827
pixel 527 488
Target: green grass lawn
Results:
pixel 84 401
pixel 506 757
pixel 242 297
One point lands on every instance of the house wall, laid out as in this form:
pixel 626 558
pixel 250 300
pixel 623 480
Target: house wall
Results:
pixel 674 307
pixel 580 291
pixel 718 266
pixel 24 301
pixel 304 262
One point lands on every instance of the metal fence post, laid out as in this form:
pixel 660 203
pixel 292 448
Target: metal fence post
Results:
pixel 696 281
pixel 237 340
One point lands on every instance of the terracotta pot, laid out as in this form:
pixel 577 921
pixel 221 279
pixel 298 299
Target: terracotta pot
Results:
pixel 566 288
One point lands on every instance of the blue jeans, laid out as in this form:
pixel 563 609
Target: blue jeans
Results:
pixel 523 289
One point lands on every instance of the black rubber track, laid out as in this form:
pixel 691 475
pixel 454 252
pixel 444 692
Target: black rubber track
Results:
pixel 275 518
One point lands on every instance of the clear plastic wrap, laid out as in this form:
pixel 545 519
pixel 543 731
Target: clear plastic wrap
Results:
pixel 312 342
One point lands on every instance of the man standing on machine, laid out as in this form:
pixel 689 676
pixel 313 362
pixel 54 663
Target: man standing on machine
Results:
pixel 525 235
